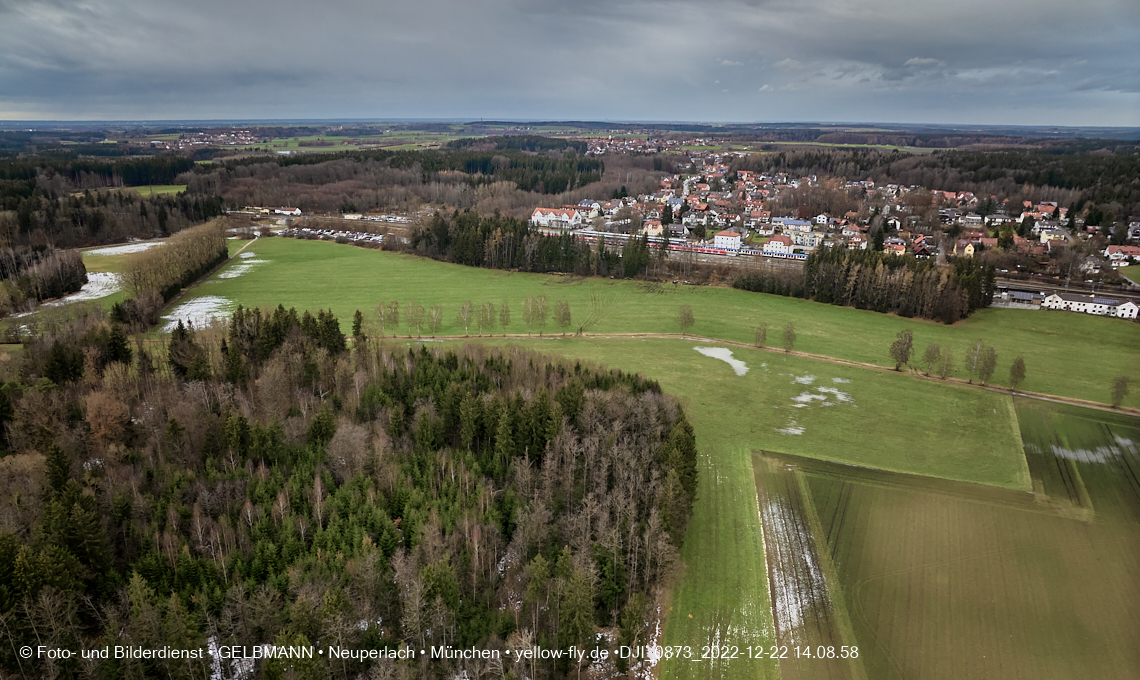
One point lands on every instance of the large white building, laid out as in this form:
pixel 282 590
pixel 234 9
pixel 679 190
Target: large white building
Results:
pixel 727 240
pixel 1090 304
pixel 778 245
pixel 561 218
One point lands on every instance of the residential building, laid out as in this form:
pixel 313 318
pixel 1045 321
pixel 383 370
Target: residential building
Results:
pixel 727 240
pixel 778 245
pixel 559 218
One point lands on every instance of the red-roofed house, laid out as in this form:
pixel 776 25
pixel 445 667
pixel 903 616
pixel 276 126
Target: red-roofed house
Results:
pixel 728 240
pixel 1118 255
pixel 778 245
pixel 561 218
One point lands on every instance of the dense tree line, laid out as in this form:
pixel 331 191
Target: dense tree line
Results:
pixel 867 279
pixel 533 143
pixel 58 218
pixel 264 484
pixel 499 242
pixel 18 179
pixel 184 258
pixel 29 275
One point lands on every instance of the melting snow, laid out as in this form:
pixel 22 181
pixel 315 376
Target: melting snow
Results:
pixel 839 380
pixel 99 285
pixel 238 268
pixel 804 379
pixel 838 394
pixel 725 355
pixel 125 249
pixel 792 428
pixel 199 311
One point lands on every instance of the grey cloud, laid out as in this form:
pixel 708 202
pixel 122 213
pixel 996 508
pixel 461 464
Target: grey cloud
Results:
pixel 873 60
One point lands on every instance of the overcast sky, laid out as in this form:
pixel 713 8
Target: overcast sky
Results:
pixel 1033 62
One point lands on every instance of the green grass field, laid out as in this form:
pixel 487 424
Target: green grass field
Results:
pixel 1131 273
pixel 159 189
pixel 1073 355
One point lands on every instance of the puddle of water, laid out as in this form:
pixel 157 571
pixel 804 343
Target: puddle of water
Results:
pixel 199 311
pixel 124 249
pixel 725 355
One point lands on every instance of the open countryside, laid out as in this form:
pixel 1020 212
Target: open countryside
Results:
pixel 382 388
pixel 801 407
pixel 295 273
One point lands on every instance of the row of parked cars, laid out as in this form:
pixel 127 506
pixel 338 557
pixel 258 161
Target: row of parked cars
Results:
pixel 333 235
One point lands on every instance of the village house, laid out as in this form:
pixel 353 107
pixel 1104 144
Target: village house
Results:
pixel 807 239
pixel 557 218
pixel 778 245
pixel 963 248
pixel 727 240
pixel 1118 255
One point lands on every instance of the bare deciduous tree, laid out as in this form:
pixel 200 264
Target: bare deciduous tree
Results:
pixel 685 318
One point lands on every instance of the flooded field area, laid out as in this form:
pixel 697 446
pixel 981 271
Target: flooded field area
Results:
pixel 942 579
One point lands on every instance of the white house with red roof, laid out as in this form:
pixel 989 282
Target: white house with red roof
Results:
pixel 778 245
pixel 560 218
pixel 727 240
pixel 1118 255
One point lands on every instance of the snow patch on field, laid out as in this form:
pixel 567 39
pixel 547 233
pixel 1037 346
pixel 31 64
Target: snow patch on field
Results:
pixel 839 380
pixel 804 379
pixel 201 312
pixel 792 428
pixel 248 254
pixel 99 285
pixel 839 395
pixel 242 267
pixel 124 249
pixel 797 592
pixel 725 355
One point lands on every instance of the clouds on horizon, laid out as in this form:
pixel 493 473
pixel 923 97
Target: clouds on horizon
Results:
pixel 1020 62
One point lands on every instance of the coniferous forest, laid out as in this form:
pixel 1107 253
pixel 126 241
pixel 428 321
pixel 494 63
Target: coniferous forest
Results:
pixel 270 483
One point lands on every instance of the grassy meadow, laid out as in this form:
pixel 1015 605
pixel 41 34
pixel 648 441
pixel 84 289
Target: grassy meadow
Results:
pixel 159 189
pixel 1073 355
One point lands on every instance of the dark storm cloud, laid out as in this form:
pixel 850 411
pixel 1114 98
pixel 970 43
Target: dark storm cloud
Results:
pixel 1022 61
